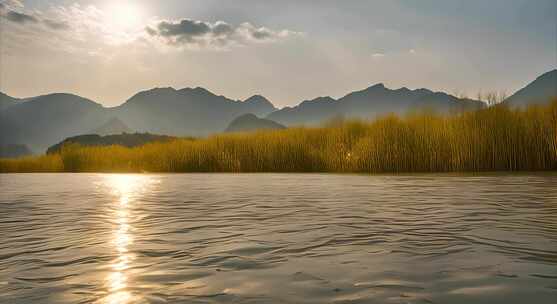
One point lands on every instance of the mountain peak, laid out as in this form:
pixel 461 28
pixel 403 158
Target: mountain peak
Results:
pixel 143 96
pixel 377 87
pixel 423 91
pixel 323 99
pixel 404 90
pixel 259 104
pixel 250 122
pixel 258 99
pixel 540 91
pixel 62 98
pixel 160 90
pixel 200 91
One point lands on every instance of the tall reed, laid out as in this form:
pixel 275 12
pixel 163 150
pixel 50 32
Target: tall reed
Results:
pixel 492 139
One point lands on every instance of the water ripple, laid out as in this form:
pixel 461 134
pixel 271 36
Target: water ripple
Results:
pixel 278 238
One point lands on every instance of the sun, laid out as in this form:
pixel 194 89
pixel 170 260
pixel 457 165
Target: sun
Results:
pixel 123 15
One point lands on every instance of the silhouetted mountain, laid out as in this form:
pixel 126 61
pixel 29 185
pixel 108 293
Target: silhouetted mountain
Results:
pixel 368 103
pixel 540 91
pixel 42 120
pixel 192 112
pixel 6 101
pixel 126 140
pixel 12 151
pixel 111 127
pixel 307 112
pixel 259 105
pixel 250 122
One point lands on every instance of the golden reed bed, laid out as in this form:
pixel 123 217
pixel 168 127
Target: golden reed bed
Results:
pixel 492 139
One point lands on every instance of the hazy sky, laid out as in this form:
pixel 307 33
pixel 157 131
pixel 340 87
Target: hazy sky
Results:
pixel 286 50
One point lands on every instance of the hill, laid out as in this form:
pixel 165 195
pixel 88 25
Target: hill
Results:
pixel 47 119
pixel 540 91
pixel 250 122
pixel 126 140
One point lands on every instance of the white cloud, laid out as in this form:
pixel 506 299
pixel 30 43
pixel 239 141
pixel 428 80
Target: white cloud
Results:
pixel 11 4
pixel 13 11
pixel 86 29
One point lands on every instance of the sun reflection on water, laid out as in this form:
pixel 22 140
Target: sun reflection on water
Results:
pixel 126 188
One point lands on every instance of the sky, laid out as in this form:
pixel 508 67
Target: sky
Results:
pixel 286 50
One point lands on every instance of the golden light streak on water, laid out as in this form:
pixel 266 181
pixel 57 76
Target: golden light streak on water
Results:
pixel 126 188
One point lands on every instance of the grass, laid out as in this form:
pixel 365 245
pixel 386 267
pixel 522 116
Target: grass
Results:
pixel 492 139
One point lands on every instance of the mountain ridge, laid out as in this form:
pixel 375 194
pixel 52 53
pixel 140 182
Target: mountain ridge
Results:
pixel 7 101
pixel 536 92
pixel 370 102
pixel 40 121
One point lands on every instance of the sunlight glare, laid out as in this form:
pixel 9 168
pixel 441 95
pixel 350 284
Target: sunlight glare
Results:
pixel 124 16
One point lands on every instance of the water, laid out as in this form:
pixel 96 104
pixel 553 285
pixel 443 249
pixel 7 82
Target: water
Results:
pixel 278 238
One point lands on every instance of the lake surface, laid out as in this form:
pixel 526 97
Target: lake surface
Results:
pixel 278 238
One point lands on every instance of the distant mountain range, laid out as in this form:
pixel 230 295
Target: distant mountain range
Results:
pixel 192 112
pixel 368 103
pixel 39 122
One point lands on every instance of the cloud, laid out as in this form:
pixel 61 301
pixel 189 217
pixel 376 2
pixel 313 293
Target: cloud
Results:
pixel 200 34
pixel 11 4
pixel 186 29
pixel 72 29
pixel 81 31
pixel 56 25
pixel 21 18
pixel 11 11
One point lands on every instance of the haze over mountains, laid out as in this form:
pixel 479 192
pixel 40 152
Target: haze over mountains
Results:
pixel 42 121
pixel 250 122
pixel 368 103
pixel 113 126
pixel 192 112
